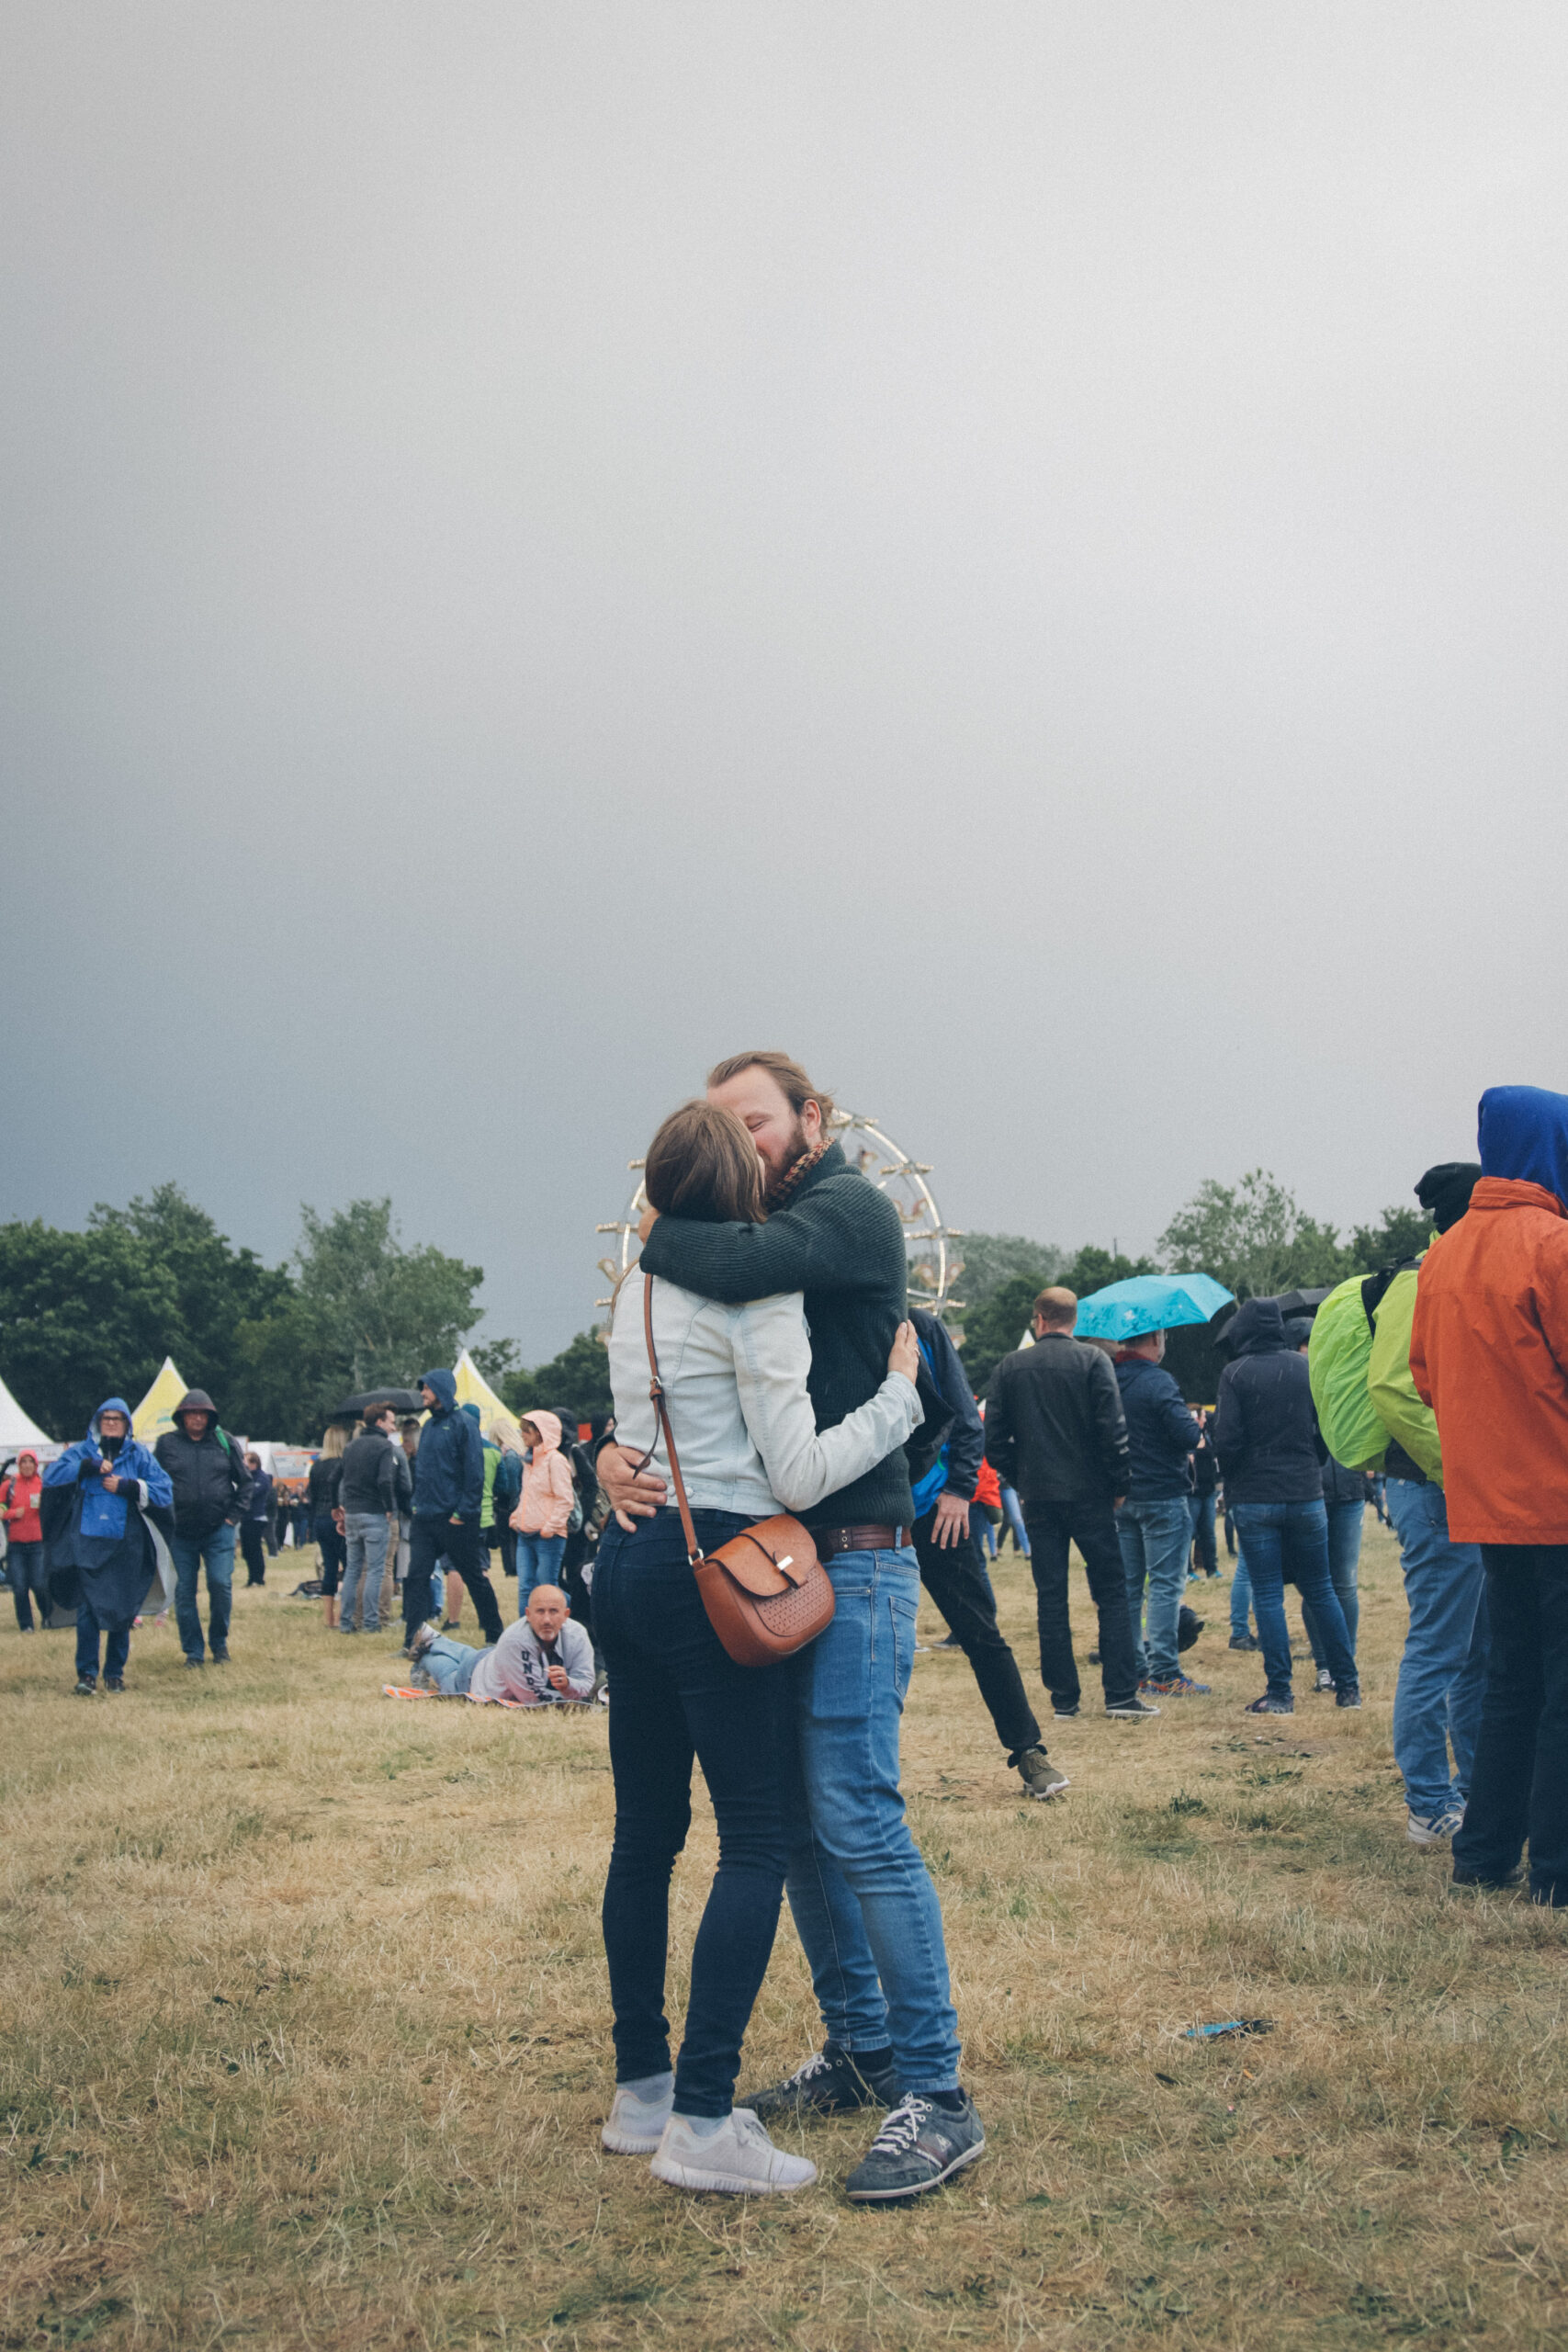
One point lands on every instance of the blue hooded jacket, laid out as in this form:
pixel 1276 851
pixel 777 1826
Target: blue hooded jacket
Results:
pixel 449 1468
pixel 1523 1136
pixel 106 1538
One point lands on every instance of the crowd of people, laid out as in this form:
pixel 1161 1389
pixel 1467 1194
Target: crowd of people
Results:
pixel 766 1328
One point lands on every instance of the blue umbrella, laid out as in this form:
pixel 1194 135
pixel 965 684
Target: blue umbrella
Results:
pixel 1150 1303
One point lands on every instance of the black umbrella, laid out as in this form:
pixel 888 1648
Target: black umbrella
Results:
pixel 402 1400
pixel 1302 1301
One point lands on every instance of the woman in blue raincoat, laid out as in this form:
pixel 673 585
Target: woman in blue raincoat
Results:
pixel 106 1505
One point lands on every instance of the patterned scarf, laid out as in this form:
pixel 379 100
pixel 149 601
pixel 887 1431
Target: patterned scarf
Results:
pixel 783 1188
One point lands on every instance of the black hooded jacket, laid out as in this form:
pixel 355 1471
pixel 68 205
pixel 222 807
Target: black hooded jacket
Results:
pixel 208 1474
pixel 1055 1428
pixel 1265 1429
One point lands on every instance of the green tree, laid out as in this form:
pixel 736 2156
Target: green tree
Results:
pixel 991 1259
pixel 1398 1234
pixel 1094 1269
pixel 218 1291
pixel 1252 1237
pixel 577 1380
pixel 82 1317
pixel 997 1328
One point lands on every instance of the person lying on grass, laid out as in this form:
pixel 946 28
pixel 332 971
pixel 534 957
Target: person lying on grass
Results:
pixel 544 1660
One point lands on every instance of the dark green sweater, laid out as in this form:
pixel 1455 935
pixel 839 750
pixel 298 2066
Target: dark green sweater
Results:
pixel 842 1242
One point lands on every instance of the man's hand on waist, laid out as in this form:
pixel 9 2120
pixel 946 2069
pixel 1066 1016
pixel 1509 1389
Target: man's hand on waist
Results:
pixel 634 1494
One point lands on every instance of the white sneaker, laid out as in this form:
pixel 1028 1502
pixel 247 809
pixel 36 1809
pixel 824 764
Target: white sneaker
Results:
pixel 1437 1830
pixel 737 2158
pixel 634 2127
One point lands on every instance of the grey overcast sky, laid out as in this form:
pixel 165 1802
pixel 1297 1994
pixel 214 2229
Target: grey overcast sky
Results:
pixel 1016 551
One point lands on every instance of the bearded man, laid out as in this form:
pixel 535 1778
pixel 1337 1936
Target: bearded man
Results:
pixel 864 1906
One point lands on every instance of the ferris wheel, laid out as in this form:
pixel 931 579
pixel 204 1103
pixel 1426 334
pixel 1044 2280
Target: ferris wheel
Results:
pixel 934 1266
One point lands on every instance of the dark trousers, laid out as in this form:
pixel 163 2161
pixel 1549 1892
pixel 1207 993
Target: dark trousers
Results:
pixel 958 1582
pixel 1092 1525
pixel 252 1537
pixel 433 1538
pixel 24 1563
pixel 116 1646
pixel 1204 1547
pixel 675 1695
pixel 1519 1787
pixel 333 1549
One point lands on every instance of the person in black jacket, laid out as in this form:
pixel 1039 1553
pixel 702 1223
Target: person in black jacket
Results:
pixel 211 1486
pixel 373 1484
pixel 1205 1486
pixel 1156 1520
pixel 448 1495
pixel 953 1571
pixel 323 1501
pixel 1054 1429
pixel 1267 1438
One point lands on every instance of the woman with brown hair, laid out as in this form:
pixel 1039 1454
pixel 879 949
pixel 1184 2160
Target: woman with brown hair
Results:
pixel 321 1500
pixel 735 1381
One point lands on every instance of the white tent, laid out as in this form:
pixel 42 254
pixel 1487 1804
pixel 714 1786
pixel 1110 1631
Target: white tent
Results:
pixel 15 1428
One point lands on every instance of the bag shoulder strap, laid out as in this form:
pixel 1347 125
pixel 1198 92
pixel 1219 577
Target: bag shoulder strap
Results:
pixel 656 1390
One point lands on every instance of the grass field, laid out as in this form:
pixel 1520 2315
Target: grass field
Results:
pixel 303 2032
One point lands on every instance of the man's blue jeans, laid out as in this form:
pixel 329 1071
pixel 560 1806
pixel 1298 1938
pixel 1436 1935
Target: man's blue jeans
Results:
pixel 1345 1524
pixel 864 1907
pixel 450 1665
pixel 367 1532
pixel 1277 1538
pixel 539 1562
pixel 1442 1675
pixel 188 1553
pixel 1154 1539
pixel 1241 1600
pixel 1200 1510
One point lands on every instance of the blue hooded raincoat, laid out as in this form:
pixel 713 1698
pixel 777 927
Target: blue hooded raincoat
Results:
pixel 106 1549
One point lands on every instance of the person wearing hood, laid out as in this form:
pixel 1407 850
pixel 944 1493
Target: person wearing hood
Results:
pixel 254 1520
pixel 211 1488
pixel 1266 1436
pixel 448 1495
pixel 101 1501
pixel 1489 1354
pixel 1155 1522
pixel 20 1495
pixel 543 1515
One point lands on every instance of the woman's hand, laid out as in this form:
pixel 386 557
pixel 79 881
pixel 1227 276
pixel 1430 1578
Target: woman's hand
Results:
pixel 904 1355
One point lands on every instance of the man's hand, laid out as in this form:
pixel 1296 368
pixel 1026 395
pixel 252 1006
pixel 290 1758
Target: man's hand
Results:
pixel 556 1677
pixel 634 1494
pixel 950 1522
pixel 338 1520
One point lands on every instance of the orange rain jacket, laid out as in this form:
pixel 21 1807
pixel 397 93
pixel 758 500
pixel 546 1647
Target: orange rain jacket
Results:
pixel 1489 1353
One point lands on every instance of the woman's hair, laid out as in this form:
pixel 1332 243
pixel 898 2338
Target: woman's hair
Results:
pixel 335 1442
pixel 702 1164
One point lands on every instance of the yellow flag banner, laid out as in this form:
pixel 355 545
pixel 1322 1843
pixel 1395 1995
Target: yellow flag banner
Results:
pixel 156 1411
pixel 497 1423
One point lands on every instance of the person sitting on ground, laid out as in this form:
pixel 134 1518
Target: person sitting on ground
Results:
pixel 543 1660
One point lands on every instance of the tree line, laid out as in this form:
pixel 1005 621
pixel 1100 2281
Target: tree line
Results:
pixel 87 1315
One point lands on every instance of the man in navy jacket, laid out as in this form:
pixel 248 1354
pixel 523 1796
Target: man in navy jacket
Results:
pixel 448 1495
pixel 953 1571
pixel 1155 1523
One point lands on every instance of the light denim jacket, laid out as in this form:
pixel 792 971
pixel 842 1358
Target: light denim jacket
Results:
pixel 735 1389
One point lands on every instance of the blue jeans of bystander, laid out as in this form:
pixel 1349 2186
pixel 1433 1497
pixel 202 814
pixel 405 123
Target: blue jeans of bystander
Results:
pixel 1292 1537
pixel 1155 1538
pixel 1442 1674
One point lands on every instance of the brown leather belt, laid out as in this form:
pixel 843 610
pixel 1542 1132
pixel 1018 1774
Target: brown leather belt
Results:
pixel 830 1540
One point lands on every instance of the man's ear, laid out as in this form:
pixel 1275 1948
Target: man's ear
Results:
pixel 813 1127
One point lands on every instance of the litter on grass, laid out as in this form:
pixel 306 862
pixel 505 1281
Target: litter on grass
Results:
pixel 1231 2025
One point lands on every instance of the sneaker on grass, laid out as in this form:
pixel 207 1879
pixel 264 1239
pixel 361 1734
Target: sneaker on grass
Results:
pixel 1434 1829
pixel 1486 1881
pixel 113 1683
pixel 1242 1642
pixel 1268 1706
pixel 1176 1686
pixel 920 2145
pixel 1041 1778
pixel 1064 1715
pixel 738 2160
pixel 635 2125
pixel 831 2081
pixel 1325 1679
pixel 1349 1697
pixel 1132 1711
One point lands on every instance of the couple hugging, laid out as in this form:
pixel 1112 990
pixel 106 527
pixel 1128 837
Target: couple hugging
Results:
pixel 789 1369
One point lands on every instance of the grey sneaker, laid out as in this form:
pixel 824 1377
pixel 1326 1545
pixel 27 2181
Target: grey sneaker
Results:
pixel 1041 1778
pixel 1064 1715
pixel 919 2147
pixel 1242 1642
pixel 1349 1697
pixel 634 2126
pixel 1130 1710
pixel 831 2081
pixel 1268 1706
pixel 1325 1679
pixel 738 2160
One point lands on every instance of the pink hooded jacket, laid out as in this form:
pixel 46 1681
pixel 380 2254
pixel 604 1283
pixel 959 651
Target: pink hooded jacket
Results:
pixel 547 1490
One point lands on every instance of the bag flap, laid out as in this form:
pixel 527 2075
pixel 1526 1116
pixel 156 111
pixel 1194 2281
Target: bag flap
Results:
pixel 769 1558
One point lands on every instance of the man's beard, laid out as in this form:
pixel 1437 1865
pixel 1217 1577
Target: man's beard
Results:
pixel 796 1149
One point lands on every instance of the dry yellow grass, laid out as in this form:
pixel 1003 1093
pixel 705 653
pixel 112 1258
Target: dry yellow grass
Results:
pixel 304 2032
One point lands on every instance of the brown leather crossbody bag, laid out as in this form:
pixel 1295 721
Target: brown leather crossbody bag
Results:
pixel 766 1592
